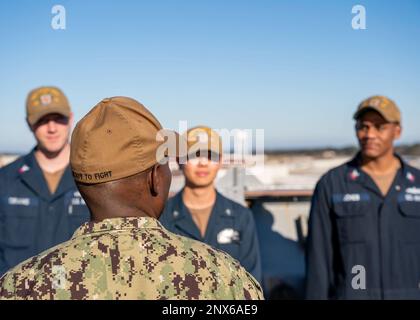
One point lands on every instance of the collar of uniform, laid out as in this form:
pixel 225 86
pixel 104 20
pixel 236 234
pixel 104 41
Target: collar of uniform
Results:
pixel 180 210
pixel 183 219
pixel 66 183
pixel 33 177
pixel 356 174
pixel 115 224
pixel 223 207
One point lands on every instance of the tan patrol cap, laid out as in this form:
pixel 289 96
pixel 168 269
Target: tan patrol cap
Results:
pixel 115 140
pixel 45 100
pixel 203 138
pixel 383 105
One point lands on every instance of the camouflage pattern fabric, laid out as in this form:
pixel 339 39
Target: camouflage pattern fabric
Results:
pixel 129 258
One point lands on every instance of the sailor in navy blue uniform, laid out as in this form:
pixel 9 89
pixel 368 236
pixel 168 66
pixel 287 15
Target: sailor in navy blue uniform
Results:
pixel 364 239
pixel 200 212
pixel 40 205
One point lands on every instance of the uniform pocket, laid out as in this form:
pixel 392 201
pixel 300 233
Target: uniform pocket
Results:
pixel 19 218
pixel 350 209
pixel 229 240
pixel 351 221
pixel 410 209
pixel 410 213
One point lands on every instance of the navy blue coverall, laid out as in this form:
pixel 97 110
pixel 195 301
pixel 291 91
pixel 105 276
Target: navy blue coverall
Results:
pixel 31 218
pixel 361 244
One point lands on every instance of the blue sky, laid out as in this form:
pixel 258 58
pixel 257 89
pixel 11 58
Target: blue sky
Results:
pixel 294 68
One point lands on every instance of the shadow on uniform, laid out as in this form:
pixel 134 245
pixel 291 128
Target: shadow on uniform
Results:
pixel 283 260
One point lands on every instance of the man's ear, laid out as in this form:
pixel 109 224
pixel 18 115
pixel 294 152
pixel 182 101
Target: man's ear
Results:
pixel 154 180
pixel 71 119
pixel 398 131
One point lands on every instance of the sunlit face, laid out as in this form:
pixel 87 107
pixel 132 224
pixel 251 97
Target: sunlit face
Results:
pixel 201 169
pixel 52 132
pixel 376 136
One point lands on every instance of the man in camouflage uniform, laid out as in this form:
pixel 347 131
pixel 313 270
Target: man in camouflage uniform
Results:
pixel 124 252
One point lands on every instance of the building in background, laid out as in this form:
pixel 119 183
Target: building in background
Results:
pixel 5 159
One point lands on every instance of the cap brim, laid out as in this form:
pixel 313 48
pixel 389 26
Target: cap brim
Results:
pixel 360 112
pixel 33 119
pixel 203 148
